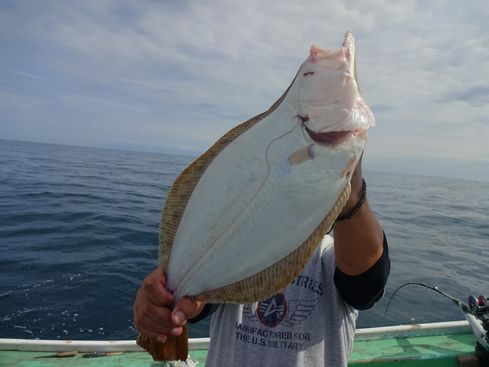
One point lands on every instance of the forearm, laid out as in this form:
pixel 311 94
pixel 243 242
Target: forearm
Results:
pixel 358 241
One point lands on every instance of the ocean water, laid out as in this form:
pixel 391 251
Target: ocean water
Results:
pixel 79 231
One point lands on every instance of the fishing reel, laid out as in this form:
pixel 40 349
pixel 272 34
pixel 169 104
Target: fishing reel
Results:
pixel 479 307
pixel 477 315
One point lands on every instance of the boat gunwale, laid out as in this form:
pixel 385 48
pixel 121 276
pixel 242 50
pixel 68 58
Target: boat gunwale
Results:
pixel 385 332
pixel 414 330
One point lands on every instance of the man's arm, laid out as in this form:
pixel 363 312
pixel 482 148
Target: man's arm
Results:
pixel 358 240
pixel 361 251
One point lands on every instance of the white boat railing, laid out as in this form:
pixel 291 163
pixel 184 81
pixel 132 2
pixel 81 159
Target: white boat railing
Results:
pixel 82 346
pixel 412 330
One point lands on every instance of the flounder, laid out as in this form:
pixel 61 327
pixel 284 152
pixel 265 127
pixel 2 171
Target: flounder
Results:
pixel 242 220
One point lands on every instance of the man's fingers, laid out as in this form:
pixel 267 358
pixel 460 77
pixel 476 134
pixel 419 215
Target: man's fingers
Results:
pixel 154 286
pixel 153 320
pixel 157 321
pixel 358 168
pixel 186 309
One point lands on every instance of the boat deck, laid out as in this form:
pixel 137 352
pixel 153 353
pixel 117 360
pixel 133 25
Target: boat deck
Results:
pixel 441 350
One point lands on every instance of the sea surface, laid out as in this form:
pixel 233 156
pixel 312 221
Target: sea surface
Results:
pixel 79 231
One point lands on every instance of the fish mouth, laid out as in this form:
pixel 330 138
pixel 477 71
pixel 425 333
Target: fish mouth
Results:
pixel 333 138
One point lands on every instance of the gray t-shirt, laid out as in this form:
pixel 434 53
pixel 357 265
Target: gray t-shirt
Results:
pixel 306 324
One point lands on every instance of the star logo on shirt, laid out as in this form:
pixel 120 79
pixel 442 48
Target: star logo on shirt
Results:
pixel 272 311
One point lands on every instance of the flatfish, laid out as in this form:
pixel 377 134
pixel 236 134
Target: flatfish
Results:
pixel 241 221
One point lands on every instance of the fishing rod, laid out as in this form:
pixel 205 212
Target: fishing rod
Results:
pixel 465 307
pixel 476 312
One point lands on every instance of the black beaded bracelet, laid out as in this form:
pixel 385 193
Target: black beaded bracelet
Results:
pixel 357 206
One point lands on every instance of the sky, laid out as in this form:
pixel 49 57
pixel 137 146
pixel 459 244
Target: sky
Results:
pixel 173 76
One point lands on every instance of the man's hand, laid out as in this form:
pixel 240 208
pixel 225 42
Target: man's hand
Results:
pixel 153 314
pixel 356 188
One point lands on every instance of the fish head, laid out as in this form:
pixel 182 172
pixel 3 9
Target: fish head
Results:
pixel 330 105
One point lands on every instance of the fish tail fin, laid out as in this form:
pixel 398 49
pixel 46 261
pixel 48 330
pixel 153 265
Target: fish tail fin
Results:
pixel 175 348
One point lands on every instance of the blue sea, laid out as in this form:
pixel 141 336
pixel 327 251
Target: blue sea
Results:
pixel 79 231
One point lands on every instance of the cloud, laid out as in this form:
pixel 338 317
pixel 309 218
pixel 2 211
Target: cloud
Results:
pixel 181 73
pixel 23 74
pixel 476 96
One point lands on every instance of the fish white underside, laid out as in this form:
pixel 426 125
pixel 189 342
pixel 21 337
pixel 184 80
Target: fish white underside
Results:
pixel 251 208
